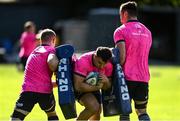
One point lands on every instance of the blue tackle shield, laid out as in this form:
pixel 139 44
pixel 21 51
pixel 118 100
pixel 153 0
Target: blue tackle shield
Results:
pixel 64 81
pixel 116 100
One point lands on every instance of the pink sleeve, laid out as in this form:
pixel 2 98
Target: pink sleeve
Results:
pixel 118 36
pixel 51 50
pixel 81 67
pixel 109 70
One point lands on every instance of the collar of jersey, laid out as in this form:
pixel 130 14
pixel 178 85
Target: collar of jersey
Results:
pixel 132 21
pixel 45 45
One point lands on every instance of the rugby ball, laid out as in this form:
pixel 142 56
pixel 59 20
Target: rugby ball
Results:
pixel 92 78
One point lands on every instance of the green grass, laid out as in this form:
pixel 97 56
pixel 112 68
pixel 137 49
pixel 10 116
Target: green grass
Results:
pixel 164 98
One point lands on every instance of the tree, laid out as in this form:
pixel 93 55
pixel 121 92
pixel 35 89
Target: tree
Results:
pixel 173 3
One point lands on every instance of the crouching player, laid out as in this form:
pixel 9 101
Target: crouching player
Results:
pixel 88 95
pixel 37 86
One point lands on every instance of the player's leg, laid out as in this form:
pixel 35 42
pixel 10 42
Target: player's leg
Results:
pixel 52 115
pixel 140 107
pixel 92 107
pixel 23 61
pixel 47 103
pixel 24 105
pixel 97 115
pixel 141 100
pixel 18 115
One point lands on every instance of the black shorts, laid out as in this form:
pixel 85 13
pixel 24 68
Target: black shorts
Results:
pixel 23 61
pixel 27 100
pixel 138 90
pixel 97 94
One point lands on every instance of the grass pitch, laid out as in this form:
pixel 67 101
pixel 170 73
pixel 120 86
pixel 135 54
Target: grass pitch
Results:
pixel 164 98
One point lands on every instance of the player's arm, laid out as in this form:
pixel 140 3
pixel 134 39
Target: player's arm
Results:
pixel 106 81
pixel 53 65
pixel 54 84
pixel 122 49
pixel 52 62
pixel 81 86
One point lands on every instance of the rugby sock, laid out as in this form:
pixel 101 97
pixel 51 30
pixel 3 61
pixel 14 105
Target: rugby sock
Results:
pixel 124 117
pixel 144 117
pixel 50 118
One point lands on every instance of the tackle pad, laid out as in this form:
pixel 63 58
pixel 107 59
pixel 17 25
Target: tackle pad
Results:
pixel 116 100
pixel 64 81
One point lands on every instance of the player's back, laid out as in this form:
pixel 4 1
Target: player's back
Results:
pixel 138 42
pixel 37 77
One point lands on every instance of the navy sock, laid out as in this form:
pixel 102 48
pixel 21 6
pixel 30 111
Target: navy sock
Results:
pixel 144 117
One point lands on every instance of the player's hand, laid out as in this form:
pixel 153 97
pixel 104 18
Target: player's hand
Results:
pixel 103 78
pixel 106 82
pixel 100 85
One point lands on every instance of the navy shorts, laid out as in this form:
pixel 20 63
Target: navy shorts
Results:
pixel 27 100
pixel 138 90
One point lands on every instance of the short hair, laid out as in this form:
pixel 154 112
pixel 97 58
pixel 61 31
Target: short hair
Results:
pixel 47 34
pixel 28 24
pixel 130 7
pixel 104 53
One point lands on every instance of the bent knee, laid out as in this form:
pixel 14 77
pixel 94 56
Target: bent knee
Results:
pixel 95 109
pixel 140 104
pixel 140 107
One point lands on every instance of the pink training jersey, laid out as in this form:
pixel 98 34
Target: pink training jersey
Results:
pixel 37 77
pixel 28 44
pixel 84 65
pixel 138 42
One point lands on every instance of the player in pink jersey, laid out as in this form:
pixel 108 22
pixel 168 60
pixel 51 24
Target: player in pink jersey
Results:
pixel 88 95
pixel 37 86
pixel 27 42
pixel 134 42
